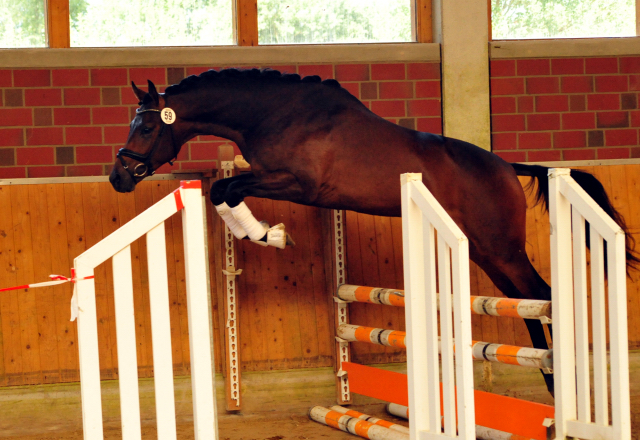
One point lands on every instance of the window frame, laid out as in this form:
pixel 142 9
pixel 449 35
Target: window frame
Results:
pixel 245 30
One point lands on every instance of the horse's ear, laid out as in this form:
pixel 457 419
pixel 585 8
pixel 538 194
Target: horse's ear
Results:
pixel 139 93
pixel 153 92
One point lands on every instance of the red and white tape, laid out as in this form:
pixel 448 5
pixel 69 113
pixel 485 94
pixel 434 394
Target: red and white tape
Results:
pixel 56 280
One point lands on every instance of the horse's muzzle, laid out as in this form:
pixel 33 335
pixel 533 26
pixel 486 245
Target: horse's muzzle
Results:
pixel 121 180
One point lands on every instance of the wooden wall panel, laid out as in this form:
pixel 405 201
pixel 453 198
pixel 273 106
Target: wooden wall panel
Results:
pixel 42 229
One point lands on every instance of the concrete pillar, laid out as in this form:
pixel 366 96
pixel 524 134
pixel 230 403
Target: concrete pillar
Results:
pixel 462 29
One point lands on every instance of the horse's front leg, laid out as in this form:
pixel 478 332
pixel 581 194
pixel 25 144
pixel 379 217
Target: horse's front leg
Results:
pixel 230 193
pixel 217 196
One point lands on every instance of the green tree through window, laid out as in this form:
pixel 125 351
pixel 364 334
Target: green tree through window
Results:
pixel 519 19
pixel 22 23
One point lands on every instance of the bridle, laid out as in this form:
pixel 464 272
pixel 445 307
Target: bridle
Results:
pixel 144 166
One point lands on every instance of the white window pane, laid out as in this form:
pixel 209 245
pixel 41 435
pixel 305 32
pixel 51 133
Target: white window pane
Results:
pixel 334 21
pixel 22 23
pixel 104 23
pixel 519 19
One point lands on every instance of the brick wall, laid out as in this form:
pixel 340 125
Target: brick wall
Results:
pixel 71 122
pixel 565 108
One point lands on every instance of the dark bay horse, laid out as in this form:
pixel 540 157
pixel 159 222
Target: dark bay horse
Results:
pixel 311 142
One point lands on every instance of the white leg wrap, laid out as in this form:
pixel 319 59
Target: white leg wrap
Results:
pixel 252 227
pixel 230 220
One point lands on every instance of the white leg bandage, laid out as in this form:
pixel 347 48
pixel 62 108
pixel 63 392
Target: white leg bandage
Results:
pixel 230 220
pixel 252 227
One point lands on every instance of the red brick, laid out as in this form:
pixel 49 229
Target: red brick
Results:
pixel 44 136
pixel 507 86
pixel 140 75
pixel 613 153
pixel 611 83
pixel 396 90
pixel 324 71
pixel 110 115
pixel 587 154
pixel 353 88
pixel 427 89
pixel 630 65
pixel 567 66
pixel 31 78
pixel 283 68
pixel 388 109
pixel 603 102
pixel 388 71
pixel 11 137
pixel 507 123
pixel 635 118
pixel 71 116
pixel 544 156
pixel 82 96
pixel 616 138
pixel 5 78
pixel 352 72
pixel 569 139
pixel 525 104
pixel 84 170
pixel 548 121
pixel 506 104
pixel 209 165
pixel 42 97
pixel 35 156
pixel 502 68
pixel 576 84
pixel 424 107
pixel 197 70
pixel 504 141
pixel 423 71
pixel 369 90
pixel 577 103
pixel 110 77
pixel 116 134
pixel 552 103
pixel 51 171
pixel 83 135
pixel 634 82
pixel 128 97
pixel 12 117
pixel 70 77
pixel 531 141
pixel 612 119
pixel 513 156
pixel 573 121
pixel 601 65
pixel 204 151
pixel 95 154
pixel 12 172
pixel 533 67
pixel 429 125
pixel 542 85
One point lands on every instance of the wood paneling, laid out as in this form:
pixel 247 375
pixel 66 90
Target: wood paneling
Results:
pixel 42 229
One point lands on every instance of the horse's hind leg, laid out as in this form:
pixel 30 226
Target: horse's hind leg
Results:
pixel 517 278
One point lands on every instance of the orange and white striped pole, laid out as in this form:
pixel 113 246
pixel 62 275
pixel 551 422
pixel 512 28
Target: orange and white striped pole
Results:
pixel 482 351
pixel 354 425
pixel 480 305
pixel 482 432
pixel 370 419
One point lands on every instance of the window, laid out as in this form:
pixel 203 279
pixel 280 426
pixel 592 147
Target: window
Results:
pixel 22 23
pixel 102 23
pixel 337 21
pixel 520 19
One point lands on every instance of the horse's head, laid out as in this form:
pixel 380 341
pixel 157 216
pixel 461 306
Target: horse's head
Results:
pixel 150 143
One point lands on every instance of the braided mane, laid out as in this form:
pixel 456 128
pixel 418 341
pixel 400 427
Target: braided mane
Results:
pixel 266 75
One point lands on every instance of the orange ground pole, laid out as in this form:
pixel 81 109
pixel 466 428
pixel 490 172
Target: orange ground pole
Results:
pixel 492 410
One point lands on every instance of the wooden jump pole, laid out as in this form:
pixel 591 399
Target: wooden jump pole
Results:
pixel 480 305
pixel 481 351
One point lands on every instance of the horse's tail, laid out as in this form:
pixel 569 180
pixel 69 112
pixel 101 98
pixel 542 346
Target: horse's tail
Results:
pixel 593 187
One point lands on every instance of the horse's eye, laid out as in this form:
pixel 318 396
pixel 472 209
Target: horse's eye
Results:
pixel 146 130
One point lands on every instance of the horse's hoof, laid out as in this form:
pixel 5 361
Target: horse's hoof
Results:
pixel 277 237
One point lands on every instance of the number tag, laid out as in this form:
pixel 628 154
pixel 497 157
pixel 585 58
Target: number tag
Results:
pixel 168 116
